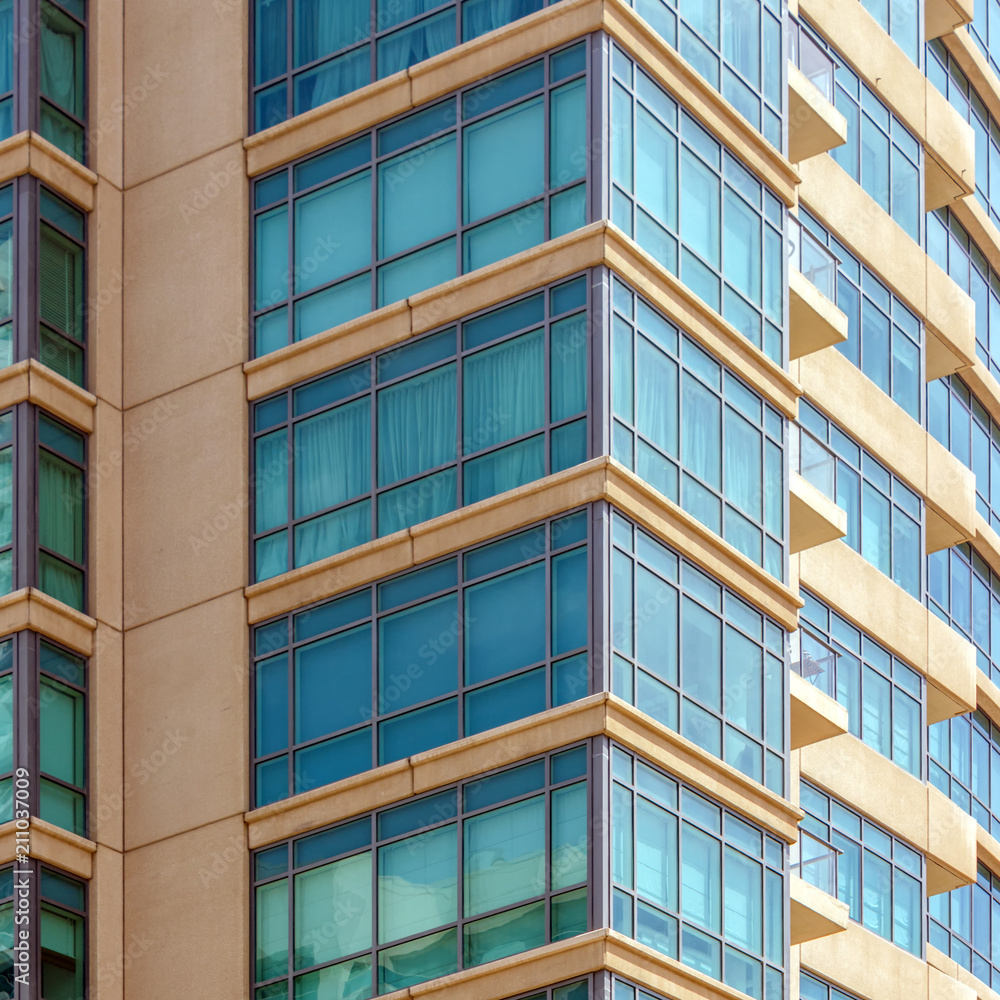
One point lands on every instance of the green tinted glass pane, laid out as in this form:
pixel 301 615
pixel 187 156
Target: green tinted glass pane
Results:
pixel 272 929
pixel 569 836
pixel 60 282
pixel 504 934
pixel 417 961
pixel 60 506
pixel 6 723
pixel 351 980
pixel 332 911
pixel 569 914
pixel 57 579
pixel 60 354
pixel 62 954
pixel 63 807
pixel 61 731
pixel 62 65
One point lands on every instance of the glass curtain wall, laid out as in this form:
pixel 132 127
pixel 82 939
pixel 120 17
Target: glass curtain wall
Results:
pixel 965 925
pixel 53 747
pixel 497 168
pixel 55 58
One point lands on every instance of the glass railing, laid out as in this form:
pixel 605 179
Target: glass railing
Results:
pixel 816 65
pixel 807 255
pixel 815 861
pixel 813 659
pixel 812 460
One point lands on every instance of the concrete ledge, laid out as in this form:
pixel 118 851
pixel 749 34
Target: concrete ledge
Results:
pixel 942 17
pixel 951 499
pixel 815 126
pixel 591 716
pixel 984 387
pixel 597 244
pixel 871 234
pixel 599 479
pixel 31 609
pixel 815 716
pixel 29 153
pixel 31 381
pixel 875 604
pixel 869 966
pixel 919 813
pixel 504 47
pixel 949 166
pixel 952 981
pixel 814 519
pixel 814 322
pixel 814 913
pixel 981 228
pixel 987 849
pixel 53 845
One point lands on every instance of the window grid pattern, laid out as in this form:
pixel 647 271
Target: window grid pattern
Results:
pixel 694 431
pixel 884 517
pixel 422 659
pixel 692 206
pixel 56 66
pixel 902 20
pixel 985 31
pixel 694 881
pixel 736 46
pixel 962 424
pixel 963 591
pixel 51 260
pixel 54 915
pixel 466 875
pixel 884 338
pixel 335 49
pixel 951 248
pixel 963 762
pixel 492 170
pixel 695 657
pixel 460 414
pixel 885 699
pixel 879 877
pixel 965 923
pixel 944 72
pixel 814 988
pixel 880 153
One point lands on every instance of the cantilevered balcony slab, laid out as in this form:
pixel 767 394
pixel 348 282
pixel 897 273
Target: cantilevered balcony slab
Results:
pixel 942 17
pixel 814 518
pixel 815 126
pixel 814 913
pixel 815 322
pixel 949 166
pixel 815 715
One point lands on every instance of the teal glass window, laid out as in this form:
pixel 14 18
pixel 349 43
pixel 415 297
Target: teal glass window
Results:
pixel 695 657
pixel 884 338
pixel 880 154
pixel 62 76
pixel 422 659
pixel 340 48
pixel 54 915
pixel 440 192
pixel 963 762
pixel 884 516
pixel 694 431
pixel 7 502
pixel 62 738
pixel 463 876
pixel 964 592
pixel 61 521
pixel 879 876
pixel 7 269
pixel 695 208
pixel 735 46
pixel 950 246
pixel 694 881
pixel 61 287
pixel 965 925
pixel 55 681
pixel 460 414
pixel 885 699
pixel 963 425
pixel 7 76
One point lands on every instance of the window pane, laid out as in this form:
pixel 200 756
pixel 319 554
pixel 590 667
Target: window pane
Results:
pixel 333 911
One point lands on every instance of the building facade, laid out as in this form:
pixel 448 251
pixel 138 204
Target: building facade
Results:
pixel 499 499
